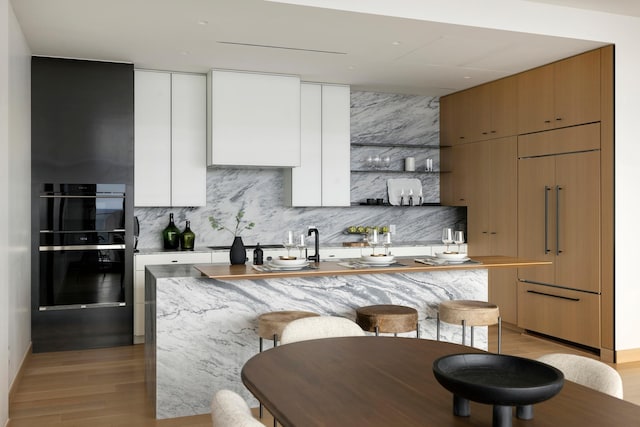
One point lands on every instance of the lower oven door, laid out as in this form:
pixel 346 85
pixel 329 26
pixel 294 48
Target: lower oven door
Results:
pixel 81 276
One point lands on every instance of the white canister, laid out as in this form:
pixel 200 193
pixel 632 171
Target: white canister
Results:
pixel 410 164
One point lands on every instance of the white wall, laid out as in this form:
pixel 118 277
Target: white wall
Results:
pixel 539 18
pixel 4 198
pixel 15 187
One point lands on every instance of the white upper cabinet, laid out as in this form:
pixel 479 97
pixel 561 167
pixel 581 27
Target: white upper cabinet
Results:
pixel 170 139
pixel 254 119
pixel 324 177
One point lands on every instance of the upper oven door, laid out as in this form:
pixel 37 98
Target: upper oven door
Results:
pixel 82 208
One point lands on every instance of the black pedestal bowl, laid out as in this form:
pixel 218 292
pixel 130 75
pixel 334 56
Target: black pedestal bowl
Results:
pixel 499 380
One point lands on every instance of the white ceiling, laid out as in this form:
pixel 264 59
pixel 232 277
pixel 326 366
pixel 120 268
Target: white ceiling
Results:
pixel 318 44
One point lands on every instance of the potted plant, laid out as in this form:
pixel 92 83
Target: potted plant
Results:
pixel 237 254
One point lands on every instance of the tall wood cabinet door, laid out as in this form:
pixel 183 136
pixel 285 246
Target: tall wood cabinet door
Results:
pixel 461 175
pixel 536 99
pixel 503 216
pixel 536 221
pixel 504 98
pixel 462 112
pixel 503 182
pixel 479 199
pixel 578 221
pixel 577 89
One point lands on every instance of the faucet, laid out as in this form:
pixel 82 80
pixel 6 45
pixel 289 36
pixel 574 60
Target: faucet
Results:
pixel 316 256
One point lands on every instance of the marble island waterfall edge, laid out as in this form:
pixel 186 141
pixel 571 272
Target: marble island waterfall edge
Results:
pixel 206 329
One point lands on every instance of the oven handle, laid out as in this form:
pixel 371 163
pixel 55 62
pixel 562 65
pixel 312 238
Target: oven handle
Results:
pixel 72 196
pixel 80 248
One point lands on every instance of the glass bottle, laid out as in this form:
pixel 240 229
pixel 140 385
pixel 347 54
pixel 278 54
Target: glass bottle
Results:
pixel 258 255
pixel 187 238
pixel 171 235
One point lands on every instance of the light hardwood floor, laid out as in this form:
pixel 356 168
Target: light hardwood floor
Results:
pixel 105 387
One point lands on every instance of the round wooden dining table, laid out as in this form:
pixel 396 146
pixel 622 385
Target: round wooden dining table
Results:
pixel 388 381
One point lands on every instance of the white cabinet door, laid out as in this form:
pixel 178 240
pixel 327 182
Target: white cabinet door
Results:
pixel 170 139
pixel 303 185
pixel 323 178
pixel 188 140
pixel 254 119
pixel 152 114
pixel 336 148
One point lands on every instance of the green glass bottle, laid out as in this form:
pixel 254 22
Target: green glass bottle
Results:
pixel 171 235
pixel 187 238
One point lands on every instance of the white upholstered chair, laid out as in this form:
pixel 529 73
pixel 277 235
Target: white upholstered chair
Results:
pixel 311 328
pixel 229 409
pixel 587 372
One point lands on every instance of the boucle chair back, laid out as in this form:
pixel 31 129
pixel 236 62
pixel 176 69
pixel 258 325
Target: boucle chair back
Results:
pixel 311 328
pixel 229 409
pixel 587 372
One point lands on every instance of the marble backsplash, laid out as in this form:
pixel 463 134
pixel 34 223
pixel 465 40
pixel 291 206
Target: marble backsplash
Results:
pixel 376 119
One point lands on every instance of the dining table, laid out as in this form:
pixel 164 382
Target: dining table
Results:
pixel 389 381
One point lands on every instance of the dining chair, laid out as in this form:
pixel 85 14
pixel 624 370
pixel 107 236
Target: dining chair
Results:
pixel 311 328
pixel 229 409
pixel 587 372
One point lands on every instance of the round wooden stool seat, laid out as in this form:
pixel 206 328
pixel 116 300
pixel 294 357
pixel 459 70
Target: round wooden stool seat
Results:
pixel 270 324
pixel 474 313
pixel 469 313
pixel 387 318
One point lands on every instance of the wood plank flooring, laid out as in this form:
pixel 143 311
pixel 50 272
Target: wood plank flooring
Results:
pixel 105 387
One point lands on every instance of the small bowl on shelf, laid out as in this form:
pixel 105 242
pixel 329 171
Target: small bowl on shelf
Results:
pixel 289 262
pixel 452 256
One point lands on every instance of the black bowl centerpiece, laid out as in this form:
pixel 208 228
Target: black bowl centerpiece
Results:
pixel 499 380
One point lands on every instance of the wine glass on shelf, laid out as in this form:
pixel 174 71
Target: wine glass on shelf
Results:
pixel 288 243
pixel 301 243
pixel 447 237
pixel 386 162
pixel 373 239
pixel 376 162
pixel 458 238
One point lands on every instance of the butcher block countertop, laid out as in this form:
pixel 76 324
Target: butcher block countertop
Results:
pixel 333 268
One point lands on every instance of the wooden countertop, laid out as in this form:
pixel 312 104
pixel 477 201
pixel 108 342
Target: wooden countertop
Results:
pixel 331 268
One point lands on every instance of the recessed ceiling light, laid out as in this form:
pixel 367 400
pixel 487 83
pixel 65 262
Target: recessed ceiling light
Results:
pixel 467 77
pixel 396 43
pixel 184 52
pixel 203 22
pixel 351 67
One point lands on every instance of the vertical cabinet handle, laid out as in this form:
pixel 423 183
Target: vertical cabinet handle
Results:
pixel 546 219
pixel 558 251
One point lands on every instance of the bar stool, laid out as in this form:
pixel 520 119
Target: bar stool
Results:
pixel 469 313
pixel 388 318
pixel 270 326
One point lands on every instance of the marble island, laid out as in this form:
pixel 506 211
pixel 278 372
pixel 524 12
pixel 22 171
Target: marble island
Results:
pixel 201 330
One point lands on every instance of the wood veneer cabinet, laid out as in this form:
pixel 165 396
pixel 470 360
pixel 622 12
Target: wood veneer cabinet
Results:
pixel 561 94
pixel 559 220
pixel 492 215
pixel 483 112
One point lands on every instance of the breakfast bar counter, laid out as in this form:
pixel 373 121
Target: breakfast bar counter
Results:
pixel 201 320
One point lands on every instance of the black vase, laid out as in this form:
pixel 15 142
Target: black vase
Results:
pixel 237 254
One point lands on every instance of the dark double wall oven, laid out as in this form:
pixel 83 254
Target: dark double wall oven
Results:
pixel 81 204
pixel 82 246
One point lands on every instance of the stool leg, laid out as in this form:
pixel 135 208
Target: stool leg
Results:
pixel 472 336
pixel 464 330
pixel 260 406
pixel 275 340
pixel 377 331
pixel 437 326
pixel 418 330
pixel 499 335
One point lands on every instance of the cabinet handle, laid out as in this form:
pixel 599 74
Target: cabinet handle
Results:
pixel 546 219
pixel 547 121
pixel 484 133
pixel 558 251
pixel 493 131
pixel 485 232
pixel 558 119
pixel 493 232
pixel 553 296
pixel 174 260
pixel 462 137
